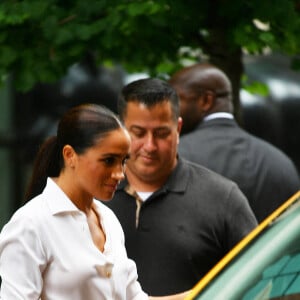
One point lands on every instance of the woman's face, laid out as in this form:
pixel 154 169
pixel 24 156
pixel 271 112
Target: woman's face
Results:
pixel 100 168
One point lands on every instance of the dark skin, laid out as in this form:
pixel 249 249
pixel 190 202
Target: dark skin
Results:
pixel 203 89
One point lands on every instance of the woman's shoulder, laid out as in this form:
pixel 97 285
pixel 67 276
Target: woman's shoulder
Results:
pixel 28 212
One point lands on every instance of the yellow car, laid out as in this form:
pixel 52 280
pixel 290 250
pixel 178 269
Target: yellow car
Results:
pixel 264 265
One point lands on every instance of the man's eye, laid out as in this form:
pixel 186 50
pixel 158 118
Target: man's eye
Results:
pixel 137 133
pixel 162 133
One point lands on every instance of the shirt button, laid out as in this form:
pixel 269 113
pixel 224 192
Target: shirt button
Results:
pixel 105 270
pixel 108 270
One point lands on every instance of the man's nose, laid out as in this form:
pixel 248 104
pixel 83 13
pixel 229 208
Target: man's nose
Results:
pixel 150 143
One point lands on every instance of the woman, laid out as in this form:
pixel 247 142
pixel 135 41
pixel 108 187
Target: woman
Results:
pixel 63 243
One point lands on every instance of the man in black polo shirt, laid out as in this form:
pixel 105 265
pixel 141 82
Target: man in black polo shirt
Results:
pixel 179 218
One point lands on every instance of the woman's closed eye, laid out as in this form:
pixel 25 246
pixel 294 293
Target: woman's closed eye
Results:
pixel 109 161
pixel 112 160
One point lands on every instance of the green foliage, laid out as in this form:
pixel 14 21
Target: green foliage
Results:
pixel 255 87
pixel 40 39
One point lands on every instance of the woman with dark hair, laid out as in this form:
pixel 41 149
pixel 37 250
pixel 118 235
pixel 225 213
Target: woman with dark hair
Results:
pixel 63 243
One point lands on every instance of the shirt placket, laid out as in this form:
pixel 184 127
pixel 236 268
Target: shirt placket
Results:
pixel 138 201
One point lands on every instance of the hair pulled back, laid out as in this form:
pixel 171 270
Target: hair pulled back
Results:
pixel 80 127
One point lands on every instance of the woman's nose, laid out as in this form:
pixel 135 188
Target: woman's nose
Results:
pixel 119 172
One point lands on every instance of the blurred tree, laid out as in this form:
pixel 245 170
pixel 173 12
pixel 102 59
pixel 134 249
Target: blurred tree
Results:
pixel 40 39
pixel 69 42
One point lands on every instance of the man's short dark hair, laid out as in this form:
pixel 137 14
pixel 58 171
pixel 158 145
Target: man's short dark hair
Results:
pixel 149 91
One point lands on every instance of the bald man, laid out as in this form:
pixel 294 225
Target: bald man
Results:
pixel 213 139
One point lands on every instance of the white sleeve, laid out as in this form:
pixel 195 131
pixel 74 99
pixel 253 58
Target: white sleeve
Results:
pixel 134 290
pixel 22 261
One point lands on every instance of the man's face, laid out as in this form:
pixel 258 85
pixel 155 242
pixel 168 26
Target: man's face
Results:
pixel 155 136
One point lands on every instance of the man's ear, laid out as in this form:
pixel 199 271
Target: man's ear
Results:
pixel 208 101
pixel 179 127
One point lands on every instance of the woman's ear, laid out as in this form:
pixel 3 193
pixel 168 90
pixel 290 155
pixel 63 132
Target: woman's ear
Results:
pixel 69 156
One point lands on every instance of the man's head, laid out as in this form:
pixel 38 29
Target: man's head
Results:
pixel 149 109
pixel 203 89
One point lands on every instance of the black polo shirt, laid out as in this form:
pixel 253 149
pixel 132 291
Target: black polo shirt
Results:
pixel 184 228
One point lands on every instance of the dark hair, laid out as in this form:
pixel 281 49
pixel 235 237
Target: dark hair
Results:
pixel 80 127
pixel 149 91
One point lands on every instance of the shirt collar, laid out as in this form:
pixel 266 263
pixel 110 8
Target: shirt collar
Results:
pixel 218 115
pixel 176 182
pixel 56 199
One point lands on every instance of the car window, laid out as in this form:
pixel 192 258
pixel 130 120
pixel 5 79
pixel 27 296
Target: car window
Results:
pixel 278 280
pixel 268 268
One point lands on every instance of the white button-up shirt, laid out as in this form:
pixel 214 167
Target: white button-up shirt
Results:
pixel 47 252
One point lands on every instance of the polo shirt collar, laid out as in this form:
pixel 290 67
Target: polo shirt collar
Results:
pixel 177 181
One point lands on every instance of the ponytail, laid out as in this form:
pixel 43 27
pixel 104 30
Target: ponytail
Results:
pixel 48 163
